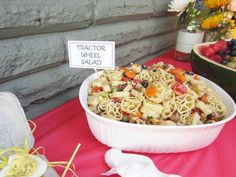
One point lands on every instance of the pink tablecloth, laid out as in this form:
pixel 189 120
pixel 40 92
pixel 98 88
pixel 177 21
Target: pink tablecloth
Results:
pixel 61 129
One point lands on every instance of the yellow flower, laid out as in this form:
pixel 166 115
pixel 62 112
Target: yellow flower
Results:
pixel 212 22
pixel 216 3
pixel 216 21
pixel 232 23
pixel 233 33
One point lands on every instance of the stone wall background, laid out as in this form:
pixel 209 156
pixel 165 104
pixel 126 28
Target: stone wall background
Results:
pixel 34 34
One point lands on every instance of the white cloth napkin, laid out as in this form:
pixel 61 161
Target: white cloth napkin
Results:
pixel 131 165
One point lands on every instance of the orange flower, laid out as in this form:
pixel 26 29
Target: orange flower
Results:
pixel 216 3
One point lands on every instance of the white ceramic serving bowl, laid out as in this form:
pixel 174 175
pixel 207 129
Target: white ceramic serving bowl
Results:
pixel 152 138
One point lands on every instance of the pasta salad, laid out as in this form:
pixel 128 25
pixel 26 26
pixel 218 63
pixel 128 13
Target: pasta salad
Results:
pixel 159 95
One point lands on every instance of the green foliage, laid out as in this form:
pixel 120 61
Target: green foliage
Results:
pixel 189 20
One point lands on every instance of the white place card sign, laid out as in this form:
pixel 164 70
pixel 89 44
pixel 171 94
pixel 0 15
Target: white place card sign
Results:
pixel 92 54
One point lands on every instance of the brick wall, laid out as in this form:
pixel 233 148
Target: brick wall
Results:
pixel 34 35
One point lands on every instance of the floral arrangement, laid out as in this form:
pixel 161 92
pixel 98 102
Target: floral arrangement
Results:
pixel 213 16
pixel 189 14
pixel 219 21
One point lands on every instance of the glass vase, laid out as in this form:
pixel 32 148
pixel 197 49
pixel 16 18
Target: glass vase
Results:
pixel 185 42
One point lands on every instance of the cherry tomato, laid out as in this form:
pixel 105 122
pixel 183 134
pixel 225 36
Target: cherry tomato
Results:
pixel 131 95
pixel 116 100
pixel 135 81
pixel 179 89
pixel 126 79
pixel 197 110
pixel 125 113
pixel 97 89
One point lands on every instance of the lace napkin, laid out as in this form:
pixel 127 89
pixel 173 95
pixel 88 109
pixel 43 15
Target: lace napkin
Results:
pixel 131 165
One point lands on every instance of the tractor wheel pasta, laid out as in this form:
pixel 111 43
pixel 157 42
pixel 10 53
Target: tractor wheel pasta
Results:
pixel 154 95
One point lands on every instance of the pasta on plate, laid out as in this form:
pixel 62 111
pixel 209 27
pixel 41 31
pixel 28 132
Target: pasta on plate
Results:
pixel 155 95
